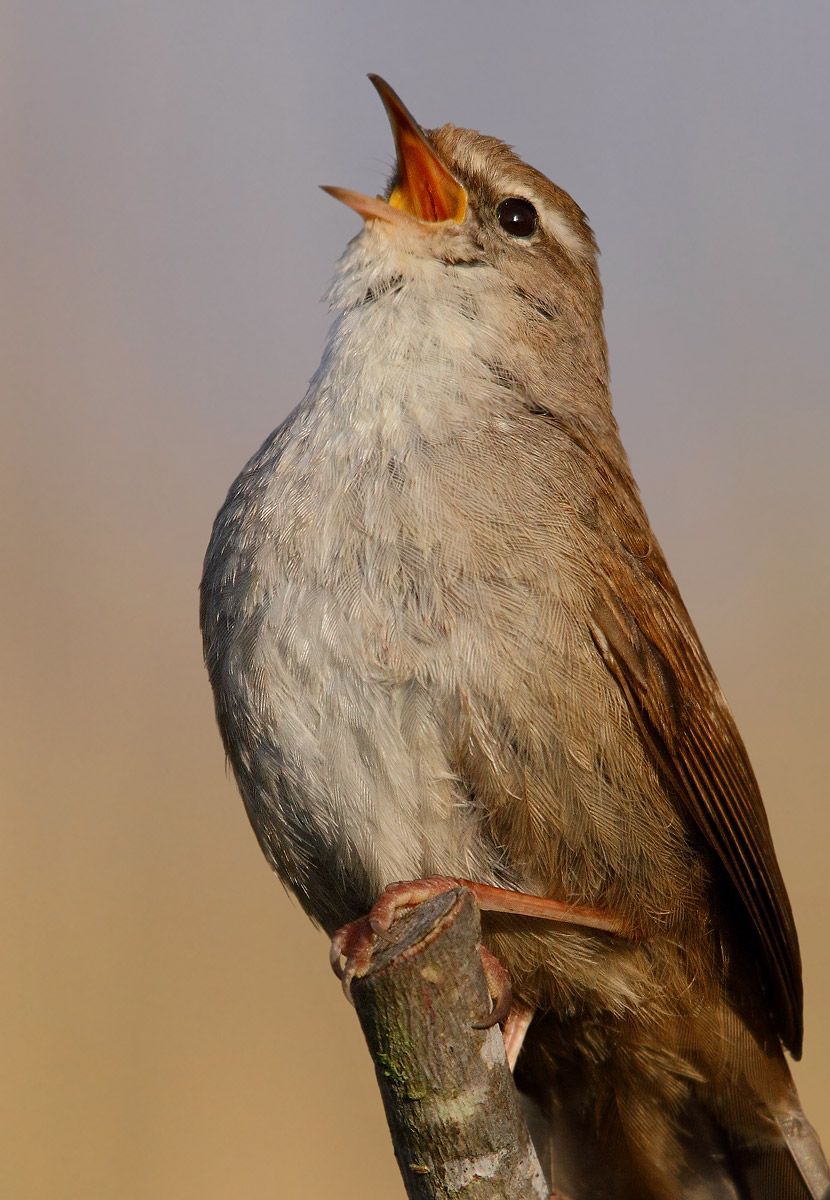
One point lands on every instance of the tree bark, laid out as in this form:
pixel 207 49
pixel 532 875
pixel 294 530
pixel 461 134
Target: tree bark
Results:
pixel 453 1110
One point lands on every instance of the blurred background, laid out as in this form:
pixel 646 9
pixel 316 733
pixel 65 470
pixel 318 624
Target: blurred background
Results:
pixel 170 1026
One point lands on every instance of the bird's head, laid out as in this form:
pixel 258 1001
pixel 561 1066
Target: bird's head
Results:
pixel 462 204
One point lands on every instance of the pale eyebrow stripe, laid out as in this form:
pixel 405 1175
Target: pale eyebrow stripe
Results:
pixel 562 229
pixel 556 224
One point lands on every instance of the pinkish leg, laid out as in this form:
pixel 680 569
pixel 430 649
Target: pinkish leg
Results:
pixel 356 942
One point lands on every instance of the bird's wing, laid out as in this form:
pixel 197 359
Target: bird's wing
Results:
pixel 650 646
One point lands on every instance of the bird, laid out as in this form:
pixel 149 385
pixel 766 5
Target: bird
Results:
pixel 444 645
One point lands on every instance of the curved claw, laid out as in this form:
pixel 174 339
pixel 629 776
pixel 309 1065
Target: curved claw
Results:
pixel 498 1014
pixel 341 945
pixel 353 944
pixel 348 943
pixel 498 983
pixel 346 979
pixel 335 954
pixel 381 932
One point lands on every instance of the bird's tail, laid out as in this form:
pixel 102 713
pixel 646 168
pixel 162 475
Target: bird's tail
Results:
pixel 770 1149
pixel 640 1124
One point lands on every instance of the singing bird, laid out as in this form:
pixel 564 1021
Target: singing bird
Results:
pixel 445 645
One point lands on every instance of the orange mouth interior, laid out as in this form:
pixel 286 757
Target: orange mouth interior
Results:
pixel 425 188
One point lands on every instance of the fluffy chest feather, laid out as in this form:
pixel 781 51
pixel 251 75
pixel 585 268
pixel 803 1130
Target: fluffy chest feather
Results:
pixel 407 655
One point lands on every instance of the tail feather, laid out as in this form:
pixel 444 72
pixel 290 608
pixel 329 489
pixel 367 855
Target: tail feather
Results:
pixel 774 1148
pixel 791 1163
pixel 805 1148
pixel 711 1173
pixel 784 1162
pixel 736 1132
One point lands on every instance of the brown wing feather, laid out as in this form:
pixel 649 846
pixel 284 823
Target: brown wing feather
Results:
pixel 649 644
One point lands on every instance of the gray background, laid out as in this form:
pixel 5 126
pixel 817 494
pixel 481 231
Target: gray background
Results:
pixel 172 1028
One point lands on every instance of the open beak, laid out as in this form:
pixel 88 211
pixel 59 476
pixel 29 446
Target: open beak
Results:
pixel 425 191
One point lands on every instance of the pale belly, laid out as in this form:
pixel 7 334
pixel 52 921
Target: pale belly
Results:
pixel 399 704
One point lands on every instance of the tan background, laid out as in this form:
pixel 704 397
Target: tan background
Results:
pixel 170 1026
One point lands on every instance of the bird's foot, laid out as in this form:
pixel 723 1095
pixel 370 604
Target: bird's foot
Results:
pixel 355 943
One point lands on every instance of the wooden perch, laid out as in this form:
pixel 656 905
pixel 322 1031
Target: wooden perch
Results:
pixel 452 1107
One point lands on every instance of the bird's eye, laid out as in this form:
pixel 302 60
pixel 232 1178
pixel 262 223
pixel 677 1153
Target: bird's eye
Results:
pixel 517 217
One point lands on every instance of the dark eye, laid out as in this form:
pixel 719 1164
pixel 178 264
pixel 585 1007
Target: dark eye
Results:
pixel 517 216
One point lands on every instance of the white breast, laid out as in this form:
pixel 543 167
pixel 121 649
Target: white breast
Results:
pixel 325 558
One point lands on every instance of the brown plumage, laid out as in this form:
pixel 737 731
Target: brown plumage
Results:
pixel 443 640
